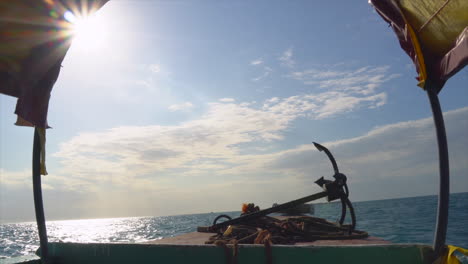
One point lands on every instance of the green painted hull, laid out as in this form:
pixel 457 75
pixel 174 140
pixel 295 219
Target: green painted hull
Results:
pixel 74 253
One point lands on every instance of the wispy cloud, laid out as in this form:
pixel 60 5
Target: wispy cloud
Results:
pixel 15 178
pixel 226 149
pixel 157 69
pixel 213 141
pixel 204 160
pixel 227 100
pixel 266 72
pixel 142 157
pixel 216 141
pixel 363 81
pixel 181 107
pixel 390 156
pixel 286 58
pixel 154 68
pixel 256 62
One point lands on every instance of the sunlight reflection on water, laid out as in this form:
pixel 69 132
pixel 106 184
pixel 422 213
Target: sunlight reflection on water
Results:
pixel 92 230
pixel 21 238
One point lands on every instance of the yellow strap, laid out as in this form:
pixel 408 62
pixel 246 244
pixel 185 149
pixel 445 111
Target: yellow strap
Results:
pixel 449 257
pixel 42 137
pixel 419 54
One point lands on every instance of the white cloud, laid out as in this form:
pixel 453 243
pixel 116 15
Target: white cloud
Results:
pixel 21 180
pixel 121 169
pixel 225 148
pixel 393 154
pixel 335 103
pixel 362 81
pixel 158 69
pixel 346 90
pixel 256 62
pixel 273 100
pixel 266 72
pixel 262 76
pixel 286 58
pixel 215 140
pixel 212 155
pixel 15 178
pixel 155 68
pixel 181 107
pixel 227 100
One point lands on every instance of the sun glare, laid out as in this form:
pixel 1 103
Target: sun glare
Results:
pixel 89 33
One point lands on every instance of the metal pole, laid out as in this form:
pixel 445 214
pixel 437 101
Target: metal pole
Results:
pixel 37 190
pixel 444 178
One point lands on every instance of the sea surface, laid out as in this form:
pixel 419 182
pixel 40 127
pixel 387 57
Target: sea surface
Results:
pixel 406 220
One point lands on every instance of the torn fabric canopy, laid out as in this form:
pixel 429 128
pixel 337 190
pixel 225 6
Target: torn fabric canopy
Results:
pixel 433 33
pixel 34 39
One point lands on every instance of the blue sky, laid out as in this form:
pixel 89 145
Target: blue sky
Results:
pixel 172 107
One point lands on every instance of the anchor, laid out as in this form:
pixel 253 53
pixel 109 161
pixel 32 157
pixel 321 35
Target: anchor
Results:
pixel 337 189
pixel 333 190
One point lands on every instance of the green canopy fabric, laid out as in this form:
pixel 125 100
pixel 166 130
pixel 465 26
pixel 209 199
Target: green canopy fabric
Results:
pixel 434 33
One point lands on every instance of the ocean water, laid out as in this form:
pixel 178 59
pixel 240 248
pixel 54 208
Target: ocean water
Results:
pixel 406 220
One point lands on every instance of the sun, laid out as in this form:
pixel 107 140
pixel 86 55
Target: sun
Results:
pixel 89 32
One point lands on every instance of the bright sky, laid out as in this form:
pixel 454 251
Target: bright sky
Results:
pixel 176 107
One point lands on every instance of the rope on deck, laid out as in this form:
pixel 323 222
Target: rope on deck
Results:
pixel 284 232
